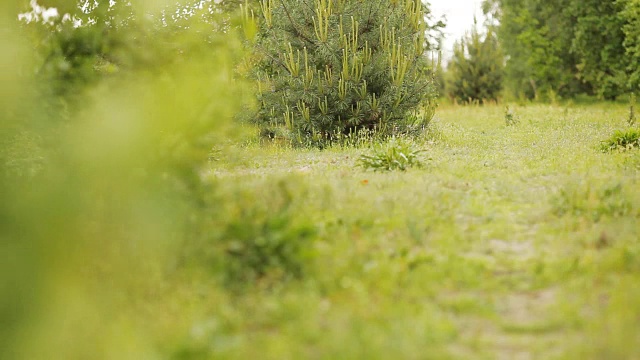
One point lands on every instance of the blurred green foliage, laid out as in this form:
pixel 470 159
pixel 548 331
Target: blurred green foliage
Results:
pixel 95 208
pixel 536 38
pixel 567 48
pixel 631 29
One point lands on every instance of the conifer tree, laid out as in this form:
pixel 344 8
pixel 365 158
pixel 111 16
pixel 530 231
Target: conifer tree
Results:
pixel 476 69
pixel 329 67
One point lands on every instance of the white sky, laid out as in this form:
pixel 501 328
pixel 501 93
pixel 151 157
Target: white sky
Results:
pixel 459 18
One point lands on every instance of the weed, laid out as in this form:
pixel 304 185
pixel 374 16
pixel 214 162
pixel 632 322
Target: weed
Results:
pixel 509 117
pixel 631 120
pixel 622 141
pixel 433 134
pixel 396 154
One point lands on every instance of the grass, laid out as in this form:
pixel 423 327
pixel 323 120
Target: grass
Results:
pixel 508 242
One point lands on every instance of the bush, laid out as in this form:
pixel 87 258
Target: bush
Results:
pixel 622 141
pixel 113 42
pixel 331 67
pixel 110 195
pixel 396 154
pixel 475 71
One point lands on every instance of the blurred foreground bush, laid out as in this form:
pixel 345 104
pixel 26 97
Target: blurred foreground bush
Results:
pixel 90 230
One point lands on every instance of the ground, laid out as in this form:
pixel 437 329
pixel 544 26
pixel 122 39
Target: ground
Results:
pixel 511 242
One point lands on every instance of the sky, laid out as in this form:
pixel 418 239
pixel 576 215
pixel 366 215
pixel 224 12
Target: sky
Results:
pixel 459 18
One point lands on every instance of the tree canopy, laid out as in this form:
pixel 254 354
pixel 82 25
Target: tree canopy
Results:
pixel 568 47
pixel 476 69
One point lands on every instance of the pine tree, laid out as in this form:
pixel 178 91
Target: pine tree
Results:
pixel 476 69
pixel 330 67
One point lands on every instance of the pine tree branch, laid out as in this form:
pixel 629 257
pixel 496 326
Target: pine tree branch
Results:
pixel 264 52
pixel 295 27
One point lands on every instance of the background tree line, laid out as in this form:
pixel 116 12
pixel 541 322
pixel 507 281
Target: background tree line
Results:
pixel 546 49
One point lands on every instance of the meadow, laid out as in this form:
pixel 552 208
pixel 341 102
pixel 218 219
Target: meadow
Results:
pixel 513 237
pixel 509 242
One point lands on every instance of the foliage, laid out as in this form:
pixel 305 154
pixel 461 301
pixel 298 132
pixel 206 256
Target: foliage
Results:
pixel 631 28
pixel 95 210
pixel 535 40
pixel 78 49
pixel 622 141
pixel 97 41
pixel 440 75
pixel 587 48
pixel 395 154
pixel 475 71
pixel 329 67
pixel 598 45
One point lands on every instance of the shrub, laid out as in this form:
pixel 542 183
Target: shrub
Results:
pixel 114 199
pixel 114 41
pixel 622 141
pixel 396 154
pixel 328 67
pixel 475 71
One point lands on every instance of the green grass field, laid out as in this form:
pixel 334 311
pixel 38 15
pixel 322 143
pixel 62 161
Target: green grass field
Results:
pixel 510 242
